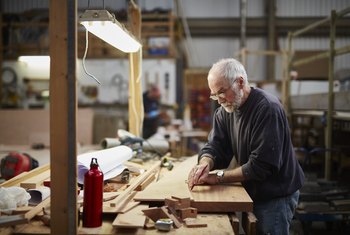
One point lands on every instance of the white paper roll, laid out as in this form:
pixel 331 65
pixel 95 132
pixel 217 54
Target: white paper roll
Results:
pixel 109 160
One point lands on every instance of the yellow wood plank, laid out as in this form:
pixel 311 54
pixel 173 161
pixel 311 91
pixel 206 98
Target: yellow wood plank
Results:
pixel 36 181
pixel 37 209
pixel 15 181
pixel 135 87
pixel 123 198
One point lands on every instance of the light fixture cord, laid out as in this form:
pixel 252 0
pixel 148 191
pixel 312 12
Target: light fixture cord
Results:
pixel 85 53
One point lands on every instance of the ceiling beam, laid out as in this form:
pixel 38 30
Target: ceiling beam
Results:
pixel 229 27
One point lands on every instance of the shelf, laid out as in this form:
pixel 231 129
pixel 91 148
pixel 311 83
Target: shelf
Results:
pixel 155 28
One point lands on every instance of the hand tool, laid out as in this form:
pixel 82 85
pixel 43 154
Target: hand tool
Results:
pixel 15 163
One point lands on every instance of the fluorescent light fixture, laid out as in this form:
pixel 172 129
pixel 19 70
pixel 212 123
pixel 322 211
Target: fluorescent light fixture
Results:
pixel 105 26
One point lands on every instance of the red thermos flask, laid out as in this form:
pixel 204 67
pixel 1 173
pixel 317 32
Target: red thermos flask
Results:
pixel 93 196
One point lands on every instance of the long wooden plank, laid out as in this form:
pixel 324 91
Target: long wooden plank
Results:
pixel 123 197
pixel 35 181
pixel 37 209
pixel 15 181
pixel 134 218
pixel 206 198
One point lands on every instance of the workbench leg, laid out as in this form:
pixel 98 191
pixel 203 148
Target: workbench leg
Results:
pixel 234 222
pixel 249 223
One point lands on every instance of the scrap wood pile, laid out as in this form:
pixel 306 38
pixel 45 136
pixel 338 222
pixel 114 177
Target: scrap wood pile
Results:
pixel 18 186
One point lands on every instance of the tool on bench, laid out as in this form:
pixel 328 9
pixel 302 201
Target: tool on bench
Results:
pixel 135 143
pixel 167 163
pixel 164 224
pixel 15 163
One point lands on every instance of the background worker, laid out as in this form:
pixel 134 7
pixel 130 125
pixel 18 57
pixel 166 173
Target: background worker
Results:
pixel 151 99
pixel 250 127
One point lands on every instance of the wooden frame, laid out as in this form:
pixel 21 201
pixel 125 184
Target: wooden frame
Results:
pixel 334 16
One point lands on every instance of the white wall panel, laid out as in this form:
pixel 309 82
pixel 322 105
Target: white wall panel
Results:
pixel 206 51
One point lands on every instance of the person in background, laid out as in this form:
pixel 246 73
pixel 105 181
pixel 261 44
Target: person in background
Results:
pixel 250 127
pixel 151 99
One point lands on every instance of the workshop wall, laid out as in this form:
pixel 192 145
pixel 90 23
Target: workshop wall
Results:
pixel 114 78
pixel 113 75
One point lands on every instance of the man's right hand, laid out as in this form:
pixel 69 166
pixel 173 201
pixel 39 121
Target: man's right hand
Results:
pixel 198 174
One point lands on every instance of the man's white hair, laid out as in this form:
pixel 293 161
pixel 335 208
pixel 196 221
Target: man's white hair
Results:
pixel 229 69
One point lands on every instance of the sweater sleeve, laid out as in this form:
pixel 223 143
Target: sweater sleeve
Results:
pixel 218 145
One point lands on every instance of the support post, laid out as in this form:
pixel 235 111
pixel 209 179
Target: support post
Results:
pixel 328 160
pixel 1 54
pixel 136 112
pixel 63 105
pixel 271 39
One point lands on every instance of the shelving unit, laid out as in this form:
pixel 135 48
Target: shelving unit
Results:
pixel 157 35
pixel 197 97
pixel 330 102
pixel 25 34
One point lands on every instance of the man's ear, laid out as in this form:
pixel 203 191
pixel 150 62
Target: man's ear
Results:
pixel 241 82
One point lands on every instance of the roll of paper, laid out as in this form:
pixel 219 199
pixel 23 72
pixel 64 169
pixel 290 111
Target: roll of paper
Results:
pixel 109 160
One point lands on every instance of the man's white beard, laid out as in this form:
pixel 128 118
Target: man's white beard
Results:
pixel 232 107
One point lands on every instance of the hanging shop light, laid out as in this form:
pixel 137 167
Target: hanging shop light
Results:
pixel 105 26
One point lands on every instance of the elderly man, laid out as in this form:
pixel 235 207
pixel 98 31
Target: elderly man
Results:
pixel 250 127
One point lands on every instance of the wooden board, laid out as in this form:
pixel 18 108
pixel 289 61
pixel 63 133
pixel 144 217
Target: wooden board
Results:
pixel 15 181
pixel 134 218
pixel 206 198
pixel 36 181
pixel 216 224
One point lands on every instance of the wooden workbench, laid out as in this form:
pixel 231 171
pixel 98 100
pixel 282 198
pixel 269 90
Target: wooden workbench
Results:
pixel 216 207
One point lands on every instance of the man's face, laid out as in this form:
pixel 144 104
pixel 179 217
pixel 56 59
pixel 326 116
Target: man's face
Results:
pixel 228 96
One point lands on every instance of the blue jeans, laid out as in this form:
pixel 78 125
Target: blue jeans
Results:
pixel 275 216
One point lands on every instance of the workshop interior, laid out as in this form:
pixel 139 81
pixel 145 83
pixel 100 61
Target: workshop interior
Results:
pixel 106 102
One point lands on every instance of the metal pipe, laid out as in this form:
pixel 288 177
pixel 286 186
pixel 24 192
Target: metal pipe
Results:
pixel 267 53
pixel 319 23
pixel 243 16
pixel 310 27
pixel 288 78
pixel 328 160
pixel 322 55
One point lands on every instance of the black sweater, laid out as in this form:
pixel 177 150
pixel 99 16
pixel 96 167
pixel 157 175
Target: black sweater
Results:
pixel 258 136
